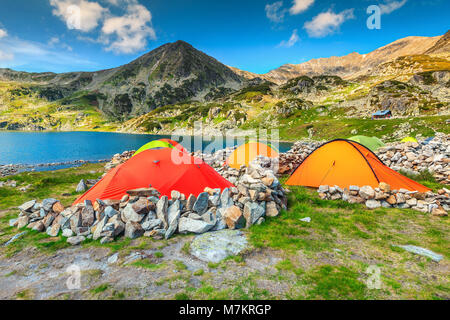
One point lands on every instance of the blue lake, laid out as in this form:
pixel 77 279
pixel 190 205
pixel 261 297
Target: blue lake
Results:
pixel 33 148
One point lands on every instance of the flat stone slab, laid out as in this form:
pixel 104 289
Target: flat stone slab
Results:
pixel 423 252
pixel 17 236
pixel 217 246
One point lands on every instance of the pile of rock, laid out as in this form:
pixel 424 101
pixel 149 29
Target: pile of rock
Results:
pixel 215 159
pixel 118 158
pixel 9 183
pixel 382 196
pixel 7 170
pixel 290 160
pixel 144 212
pixel 413 157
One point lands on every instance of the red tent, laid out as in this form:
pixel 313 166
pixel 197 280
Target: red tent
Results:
pixel 164 169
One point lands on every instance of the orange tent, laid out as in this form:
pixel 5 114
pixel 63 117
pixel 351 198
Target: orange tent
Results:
pixel 164 169
pixel 246 153
pixel 345 163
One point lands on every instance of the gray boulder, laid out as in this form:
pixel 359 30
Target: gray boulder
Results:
pixel 187 225
pixel 190 202
pixel 225 199
pixel 110 212
pixel 373 204
pixel 47 204
pixel 67 233
pixel 161 210
pixel 253 211
pixel 81 187
pixel 151 224
pixel 27 206
pixel 76 240
pixel 423 252
pixel 87 214
pixel 217 246
pixel 367 193
pixel 133 230
pixel 201 205
pixel 173 216
pixel 99 228
pixel 129 215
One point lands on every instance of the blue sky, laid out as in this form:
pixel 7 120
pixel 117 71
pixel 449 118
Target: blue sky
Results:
pixel 253 35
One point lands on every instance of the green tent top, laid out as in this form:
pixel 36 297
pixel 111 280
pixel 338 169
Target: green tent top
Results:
pixel 373 143
pixel 409 139
pixel 156 144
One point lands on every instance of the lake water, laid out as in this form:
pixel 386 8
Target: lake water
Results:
pixel 31 148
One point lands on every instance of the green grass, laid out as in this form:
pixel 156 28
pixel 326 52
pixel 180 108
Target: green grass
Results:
pixel 359 234
pixel 26 294
pixel 212 265
pixel 426 178
pixel 47 184
pixel 101 288
pixel 199 272
pixel 186 247
pixel 327 128
pixel 335 283
pixel 179 265
pixel 148 265
pixel 324 259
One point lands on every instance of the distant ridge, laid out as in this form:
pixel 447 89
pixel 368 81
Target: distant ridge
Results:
pixel 355 64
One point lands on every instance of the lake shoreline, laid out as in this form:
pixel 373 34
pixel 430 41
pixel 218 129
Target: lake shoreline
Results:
pixel 12 169
pixel 130 133
pixel 54 150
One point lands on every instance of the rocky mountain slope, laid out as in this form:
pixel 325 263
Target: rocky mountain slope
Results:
pixel 170 88
pixel 172 73
pixel 441 46
pixel 355 64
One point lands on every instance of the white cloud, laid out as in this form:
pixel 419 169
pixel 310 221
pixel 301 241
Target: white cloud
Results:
pixel 299 6
pixel 129 33
pixel 17 53
pixel 327 23
pixel 3 33
pixel 292 40
pixel 391 6
pixel 5 55
pixel 55 41
pixel 274 12
pixel 79 14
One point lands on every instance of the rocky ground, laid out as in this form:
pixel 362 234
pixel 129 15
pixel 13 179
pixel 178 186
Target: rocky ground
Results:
pixel 289 255
pixel 437 204
pixel 10 169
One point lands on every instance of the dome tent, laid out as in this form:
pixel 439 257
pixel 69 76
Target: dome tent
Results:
pixel 155 144
pixel 175 144
pixel 345 163
pixel 409 139
pixel 246 153
pixel 162 171
pixel 372 143
pixel 162 143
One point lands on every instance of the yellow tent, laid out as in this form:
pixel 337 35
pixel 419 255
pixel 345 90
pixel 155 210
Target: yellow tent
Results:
pixel 246 153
